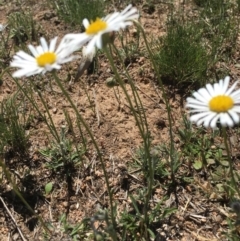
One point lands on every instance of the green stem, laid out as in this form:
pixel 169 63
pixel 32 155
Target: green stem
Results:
pixel 233 181
pixel 50 127
pixel 80 118
pixel 122 85
pixel 168 107
pixel 143 128
pixel 137 99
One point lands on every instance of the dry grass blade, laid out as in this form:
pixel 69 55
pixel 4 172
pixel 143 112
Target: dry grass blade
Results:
pixel 13 219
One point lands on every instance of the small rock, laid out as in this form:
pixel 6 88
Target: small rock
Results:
pixel 218 219
pixel 141 60
pixel 65 204
pixel 233 140
pixel 15 236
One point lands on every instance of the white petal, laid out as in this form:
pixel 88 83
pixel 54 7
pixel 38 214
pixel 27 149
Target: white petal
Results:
pixel 52 45
pixel 191 100
pixel 91 45
pixel 126 9
pixel 197 108
pixel 99 42
pixel 33 50
pixel 76 41
pixel 220 83
pixel 213 122
pixel 23 64
pixel 198 116
pixel 132 15
pixel 44 44
pixel 204 93
pixel 111 18
pixel 236 109
pixel 200 97
pixel 225 84
pixel 209 118
pixel 25 56
pixel 234 116
pixel 40 50
pixel 217 89
pixel 236 94
pixel 225 120
pixel 24 72
pixel 85 23
pixel 230 90
pixel 210 89
pixel 70 37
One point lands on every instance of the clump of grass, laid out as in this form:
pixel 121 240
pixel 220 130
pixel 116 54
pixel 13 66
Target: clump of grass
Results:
pixel 190 50
pixel 23 27
pixel 5 49
pixel 74 12
pixel 214 9
pixel 181 57
pixel 220 27
pixel 12 129
pixel 63 154
pixel 200 3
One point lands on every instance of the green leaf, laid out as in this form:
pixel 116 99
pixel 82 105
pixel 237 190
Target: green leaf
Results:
pixel 198 165
pixel 151 233
pixel 220 187
pixel 210 161
pixel 48 187
pixel 224 163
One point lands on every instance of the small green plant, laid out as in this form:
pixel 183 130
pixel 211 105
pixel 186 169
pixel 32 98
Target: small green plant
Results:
pixel 75 231
pixel 159 154
pixel 130 47
pixel 74 11
pixel 201 152
pixel 196 146
pixel 64 228
pixel 62 154
pixel 132 221
pixel 106 228
pixel 48 188
pixel 181 56
pixel 23 27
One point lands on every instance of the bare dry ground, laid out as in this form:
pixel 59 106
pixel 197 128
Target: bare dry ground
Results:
pixel 200 214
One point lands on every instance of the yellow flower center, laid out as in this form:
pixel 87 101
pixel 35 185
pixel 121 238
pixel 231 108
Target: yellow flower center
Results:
pixel 96 26
pixel 221 103
pixel 46 58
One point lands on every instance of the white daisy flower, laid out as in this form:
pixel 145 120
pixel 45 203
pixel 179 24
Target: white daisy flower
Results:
pixel 215 103
pixel 96 30
pixel 44 58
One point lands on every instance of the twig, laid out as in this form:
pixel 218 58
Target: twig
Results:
pixel 20 232
pixel 154 101
pixel 201 238
pixel 186 205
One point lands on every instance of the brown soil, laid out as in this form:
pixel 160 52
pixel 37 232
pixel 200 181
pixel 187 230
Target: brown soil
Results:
pixel 199 215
